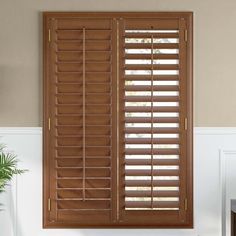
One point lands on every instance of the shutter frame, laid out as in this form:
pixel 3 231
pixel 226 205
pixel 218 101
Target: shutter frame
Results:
pixel 117 216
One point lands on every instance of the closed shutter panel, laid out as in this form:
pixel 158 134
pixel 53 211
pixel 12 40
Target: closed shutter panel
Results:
pixel 81 119
pixel 153 91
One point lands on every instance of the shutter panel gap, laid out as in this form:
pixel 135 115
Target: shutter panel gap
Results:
pixel 84 131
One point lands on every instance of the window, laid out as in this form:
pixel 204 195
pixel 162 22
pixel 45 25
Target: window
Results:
pixel 118 120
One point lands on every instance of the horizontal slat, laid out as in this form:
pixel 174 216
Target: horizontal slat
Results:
pixel 89 24
pixel 151 67
pixel 78 183
pixel 143 56
pixel 80 204
pixel 149 119
pixel 69 119
pixel 148 204
pixel 78 131
pixel 68 99
pixel 150 162
pixel 150 88
pixel 77 151
pixel 89 88
pixel 151 23
pixel 78 56
pixel 81 156
pixel 77 99
pixel 151 109
pixel 89 193
pixel 142 151
pixel 78 76
pixel 78 67
pixel 154 140
pixel 149 46
pixel 150 99
pixel 91 45
pixel 139 172
pixel 78 172
pixel 146 193
pixel 92 110
pixel 78 162
pixel 149 77
pixel 148 183
pixel 149 35
pixel 138 130
pixel 78 34
pixel 102 141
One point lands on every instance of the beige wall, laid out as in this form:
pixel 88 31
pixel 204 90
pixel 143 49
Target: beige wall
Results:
pixel 21 55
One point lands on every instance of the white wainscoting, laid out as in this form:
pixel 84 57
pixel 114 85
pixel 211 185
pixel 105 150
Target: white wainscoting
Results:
pixel 214 171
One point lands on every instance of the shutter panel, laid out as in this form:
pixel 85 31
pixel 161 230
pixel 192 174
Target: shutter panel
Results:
pixel 154 138
pixel 81 113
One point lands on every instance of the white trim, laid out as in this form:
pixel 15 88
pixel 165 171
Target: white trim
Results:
pixel 223 155
pixel 20 130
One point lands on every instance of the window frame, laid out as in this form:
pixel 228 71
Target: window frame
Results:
pixel 188 16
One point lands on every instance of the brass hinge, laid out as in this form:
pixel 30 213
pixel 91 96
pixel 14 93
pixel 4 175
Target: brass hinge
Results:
pixel 185 204
pixel 186 35
pixel 49 204
pixel 185 123
pixel 49 35
pixel 49 124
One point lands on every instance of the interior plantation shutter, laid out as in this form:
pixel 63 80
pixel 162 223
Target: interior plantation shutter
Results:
pixel 80 110
pixel 117 120
pixel 154 128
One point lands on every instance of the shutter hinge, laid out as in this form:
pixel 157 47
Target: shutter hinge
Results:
pixel 49 35
pixel 185 123
pixel 49 204
pixel 186 35
pixel 49 124
pixel 185 204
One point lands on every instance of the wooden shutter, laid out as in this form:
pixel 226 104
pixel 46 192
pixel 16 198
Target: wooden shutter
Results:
pixel 154 127
pixel 81 117
pixel 117 120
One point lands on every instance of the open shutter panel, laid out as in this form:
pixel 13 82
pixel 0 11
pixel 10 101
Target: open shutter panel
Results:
pixel 81 116
pixel 153 133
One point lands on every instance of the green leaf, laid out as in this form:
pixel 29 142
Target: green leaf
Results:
pixel 8 167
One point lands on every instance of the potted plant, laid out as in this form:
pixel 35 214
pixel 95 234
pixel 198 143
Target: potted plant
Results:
pixel 8 167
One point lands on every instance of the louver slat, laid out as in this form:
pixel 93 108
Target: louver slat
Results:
pixel 148 77
pixel 144 193
pixel 159 162
pixel 155 205
pixel 149 46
